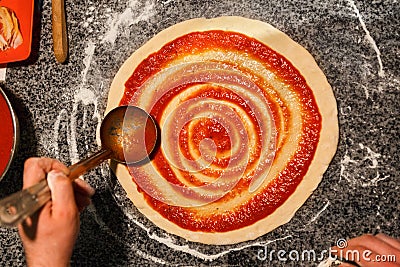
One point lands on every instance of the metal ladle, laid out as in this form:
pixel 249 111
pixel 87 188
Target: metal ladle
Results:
pixel 128 135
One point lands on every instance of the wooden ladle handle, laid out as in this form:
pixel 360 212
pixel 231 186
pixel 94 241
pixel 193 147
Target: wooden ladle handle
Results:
pixel 59 26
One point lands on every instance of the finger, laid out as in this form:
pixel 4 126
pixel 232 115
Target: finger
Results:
pixel 62 196
pixel 59 166
pixel 35 169
pixel 28 228
pixel 82 201
pixel 368 258
pixel 389 240
pixel 364 255
pixel 374 244
pixel 371 258
pixel 345 264
pixel 83 193
pixel 83 188
pixel 354 256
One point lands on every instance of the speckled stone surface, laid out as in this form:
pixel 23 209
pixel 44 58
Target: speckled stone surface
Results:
pixel 356 44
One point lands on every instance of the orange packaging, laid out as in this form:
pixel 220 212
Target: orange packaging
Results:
pixel 23 10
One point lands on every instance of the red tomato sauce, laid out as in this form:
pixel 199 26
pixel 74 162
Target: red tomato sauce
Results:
pixel 6 134
pixel 278 191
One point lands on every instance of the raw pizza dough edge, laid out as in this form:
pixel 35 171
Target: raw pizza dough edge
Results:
pixel 301 60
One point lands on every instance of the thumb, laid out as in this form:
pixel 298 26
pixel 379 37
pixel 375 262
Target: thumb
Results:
pixel 62 194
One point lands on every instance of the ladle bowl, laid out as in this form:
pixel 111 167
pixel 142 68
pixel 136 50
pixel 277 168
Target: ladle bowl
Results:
pixel 129 133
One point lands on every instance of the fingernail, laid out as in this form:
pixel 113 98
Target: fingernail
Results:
pixel 52 176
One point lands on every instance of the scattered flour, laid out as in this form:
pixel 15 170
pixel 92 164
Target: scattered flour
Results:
pixel 368 36
pixel 348 167
pixel 117 23
pixel 328 263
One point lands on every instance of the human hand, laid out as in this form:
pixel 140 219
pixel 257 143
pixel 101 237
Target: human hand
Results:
pixel 370 250
pixel 49 235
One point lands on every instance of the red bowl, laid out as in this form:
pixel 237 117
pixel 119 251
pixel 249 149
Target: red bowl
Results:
pixel 9 133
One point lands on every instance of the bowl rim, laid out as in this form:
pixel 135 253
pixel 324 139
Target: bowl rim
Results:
pixel 16 133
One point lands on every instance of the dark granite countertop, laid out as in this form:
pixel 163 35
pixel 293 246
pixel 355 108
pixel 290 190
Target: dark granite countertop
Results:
pixel 356 44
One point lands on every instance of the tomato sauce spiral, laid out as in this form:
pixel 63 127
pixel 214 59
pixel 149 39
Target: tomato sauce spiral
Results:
pixel 239 129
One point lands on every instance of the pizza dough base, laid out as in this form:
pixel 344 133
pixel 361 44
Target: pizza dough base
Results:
pixel 302 61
